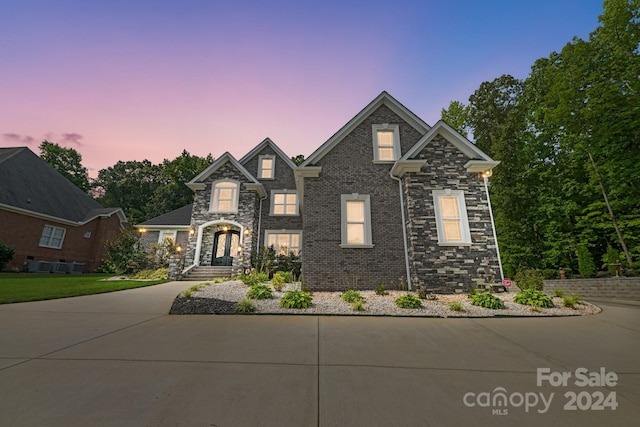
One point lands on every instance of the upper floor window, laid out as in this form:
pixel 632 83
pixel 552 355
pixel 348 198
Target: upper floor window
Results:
pixel 52 237
pixel 266 167
pixel 386 143
pixel 356 221
pixel 224 196
pixel 284 203
pixel 451 217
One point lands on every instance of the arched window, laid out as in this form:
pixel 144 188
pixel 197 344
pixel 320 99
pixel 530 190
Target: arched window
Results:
pixel 224 196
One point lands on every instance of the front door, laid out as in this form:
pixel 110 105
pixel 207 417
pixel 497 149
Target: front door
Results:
pixel 225 247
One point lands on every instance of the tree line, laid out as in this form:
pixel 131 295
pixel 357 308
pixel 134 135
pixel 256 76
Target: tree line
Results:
pixel 567 192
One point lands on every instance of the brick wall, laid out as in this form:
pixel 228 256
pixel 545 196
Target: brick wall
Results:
pixel 23 232
pixel 349 168
pixel 447 268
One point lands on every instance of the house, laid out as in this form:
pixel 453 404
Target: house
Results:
pixel 47 220
pixel 387 199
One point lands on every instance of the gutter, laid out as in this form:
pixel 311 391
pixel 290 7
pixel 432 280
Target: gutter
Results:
pixel 493 226
pixel 404 230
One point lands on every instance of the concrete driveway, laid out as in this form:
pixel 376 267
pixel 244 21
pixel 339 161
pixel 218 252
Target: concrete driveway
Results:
pixel 119 360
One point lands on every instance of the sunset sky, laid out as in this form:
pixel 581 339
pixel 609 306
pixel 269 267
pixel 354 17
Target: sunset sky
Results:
pixel 133 80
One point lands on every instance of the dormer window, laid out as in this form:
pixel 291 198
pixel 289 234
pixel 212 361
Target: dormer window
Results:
pixel 224 196
pixel 386 143
pixel 266 167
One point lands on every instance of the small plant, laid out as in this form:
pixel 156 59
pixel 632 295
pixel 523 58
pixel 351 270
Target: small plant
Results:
pixel 472 291
pixel 195 288
pixel 530 279
pixel 260 291
pixel 160 273
pixel 286 276
pixel 408 301
pixel 487 300
pixel 351 296
pixel 358 305
pixel 558 292
pixel 245 306
pixel 534 298
pixel 381 290
pixel 296 299
pixel 455 306
pixel 220 280
pixel 571 301
pixel 277 281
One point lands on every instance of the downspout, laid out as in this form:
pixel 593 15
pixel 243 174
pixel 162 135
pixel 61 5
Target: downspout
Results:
pixel 493 226
pixel 404 230
pixel 259 224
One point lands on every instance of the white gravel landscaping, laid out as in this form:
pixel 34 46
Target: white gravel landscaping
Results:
pixel 330 303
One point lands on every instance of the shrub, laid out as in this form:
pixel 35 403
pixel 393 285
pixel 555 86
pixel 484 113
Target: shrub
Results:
pixel 558 292
pixel 530 279
pixel 571 301
pixel 550 274
pixel 160 273
pixel 586 266
pixel 254 278
pixel 534 298
pixel 455 306
pixel 245 306
pixel 124 254
pixel 381 290
pixel 277 281
pixel 408 301
pixel 296 299
pixel 358 306
pixel 351 296
pixel 6 255
pixel 260 291
pixel 487 300
pixel 284 275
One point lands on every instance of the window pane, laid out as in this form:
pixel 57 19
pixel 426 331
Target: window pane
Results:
pixel 452 230
pixel 291 199
pixel 449 207
pixel 355 211
pixel 267 168
pixel 278 199
pixel 385 138
pixel 278 209
pixel 225 193
pixel 385 154
pixel 224 205
pixel 295 240
pixel 291 209
pixel 222 241
pixel 272 240
pixel 355 234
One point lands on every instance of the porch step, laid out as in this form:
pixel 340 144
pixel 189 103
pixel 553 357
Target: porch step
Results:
pixel 204 273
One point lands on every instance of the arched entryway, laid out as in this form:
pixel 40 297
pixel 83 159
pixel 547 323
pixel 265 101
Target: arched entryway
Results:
pixel 226 245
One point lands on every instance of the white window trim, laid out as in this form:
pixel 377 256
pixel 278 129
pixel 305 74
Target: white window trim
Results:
pixel 464 220
pixel 368 243
pixel 267 233
pixel 164 234
pixel 213 206
pixel 272 207
pixel 273 168
pixel 396 141
pixel 53 228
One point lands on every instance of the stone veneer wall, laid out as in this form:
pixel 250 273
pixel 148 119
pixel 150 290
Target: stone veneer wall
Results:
pixel 447 269
pixel 246 215
pixel 349 168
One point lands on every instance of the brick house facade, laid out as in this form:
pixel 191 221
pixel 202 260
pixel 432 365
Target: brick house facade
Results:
pixel 387 199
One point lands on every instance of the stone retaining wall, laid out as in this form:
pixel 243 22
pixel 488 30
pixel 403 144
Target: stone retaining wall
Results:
pixel 609 287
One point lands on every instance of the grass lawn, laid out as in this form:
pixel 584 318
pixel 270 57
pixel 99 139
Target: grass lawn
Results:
pixel 35 287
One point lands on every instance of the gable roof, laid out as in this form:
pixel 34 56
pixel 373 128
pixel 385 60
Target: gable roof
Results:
pixel 258 148
pixel 177 218
pixel 383 99
pixel 29 185
pixel 253 184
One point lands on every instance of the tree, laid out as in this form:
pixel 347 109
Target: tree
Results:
pixel 298 160
pixel 67 161
pixel 457 115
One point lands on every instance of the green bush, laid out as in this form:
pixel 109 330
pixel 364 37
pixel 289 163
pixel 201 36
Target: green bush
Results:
pixel 277 281
pixel 487 300
pixel 260 291
pixel 381 290
pixel 571 301
pixel 245 306
pixel 530 279
pixel 534 298
pixel 284 275
pixel 6 255
pixel 455 306
pixel 408 301
pixel 254 278
pixel 351 296
pixel 358 306
pixel 296 299
pixel 586 266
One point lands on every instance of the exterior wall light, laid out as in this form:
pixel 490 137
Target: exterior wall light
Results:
pixel 486 174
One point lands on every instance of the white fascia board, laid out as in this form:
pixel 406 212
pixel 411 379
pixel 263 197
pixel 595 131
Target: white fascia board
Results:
pixel 61 220
pixel 217 164
pixel 480 165
pixel 402 167
pixel 256 186
pixel 452 136
pixel 258 148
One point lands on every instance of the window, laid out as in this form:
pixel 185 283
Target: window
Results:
pixel 224 197
pixel 451 217
pixel 52 237
pixel 283 241
pixel 356 221
pixel 284 203
pixel 386 143
pixel 266 167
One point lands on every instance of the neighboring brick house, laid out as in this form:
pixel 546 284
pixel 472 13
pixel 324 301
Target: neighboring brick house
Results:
pixel 45 217
pixel 387 199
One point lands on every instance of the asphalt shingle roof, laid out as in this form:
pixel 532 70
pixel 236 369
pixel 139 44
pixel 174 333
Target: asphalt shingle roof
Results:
pixel 180 216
